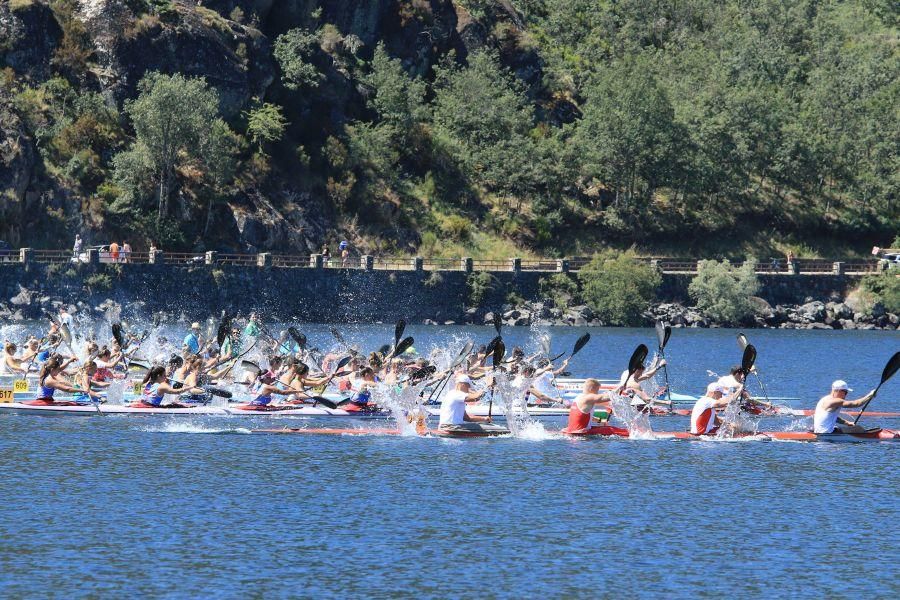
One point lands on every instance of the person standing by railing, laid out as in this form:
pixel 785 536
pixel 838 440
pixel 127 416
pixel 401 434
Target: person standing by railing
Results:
pixel 326 254
pixel 76 248
pixel 126 252
pixel 345 254
pixel 114 252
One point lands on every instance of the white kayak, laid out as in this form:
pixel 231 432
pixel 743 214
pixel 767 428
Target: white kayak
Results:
pixel 66 408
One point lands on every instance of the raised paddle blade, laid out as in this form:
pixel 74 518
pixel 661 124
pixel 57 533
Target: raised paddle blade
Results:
pixel 660 335
pixel 742 341
pixel 117 334
pixel 499 352
pixel 492 344
pixel 337 335
pixel 224 329
pixel 405 344
pixel 342 363
pixel 398 331
pixel 248 365
pixel 498 322
pixel 137 367
pixel 581 343
pixel 66 334
pixel 748 359
pixel 892 366
pixel 667 335
pixel 299 338
pixel 466 350
pixel 557 357
pixel 385 349
pixel 637 359
pixel 545 345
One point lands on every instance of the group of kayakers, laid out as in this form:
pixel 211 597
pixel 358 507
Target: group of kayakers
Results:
pixel 288 373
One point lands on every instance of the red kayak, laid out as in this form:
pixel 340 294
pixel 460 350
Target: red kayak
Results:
pixel 452 432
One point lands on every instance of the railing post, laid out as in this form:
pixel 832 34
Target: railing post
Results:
pixel 367 262
pixel 515 265
pixel 466 264
pixel 562 265
pixel 93 256
pixel 881 266
pixel 837 268
pixel 315 261
pixel 654 264
pixel 263 259
pixel 156 257
pixel 793 269
pixel 418 263
pixel 26 255
pixel 211 257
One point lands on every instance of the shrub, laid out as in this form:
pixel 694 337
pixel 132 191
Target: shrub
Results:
pixel 433 280
pixel 479 284
pixel 559 289
pixel 884 288
pixel 618 288
pixel 98 282
pixel 457 228
pixel 723 291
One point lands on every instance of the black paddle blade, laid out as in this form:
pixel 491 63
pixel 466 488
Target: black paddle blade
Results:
pixel 404 345
pixel 499 352
pixel 324 402
pixel 498 322
pixel 342 363
pixel 637 358
pixel 224 329
pixel 337 335
pixel 218 392
pixel 742 341
pixel 298 337
pixel 423 373
pixel 492 344
pixel 466 350
pixel 557 357
pixel 890 368
pixel 117 334
pixel 384 349
pixel 581 343
pixel 660 334
pixel 668 334
pixel 748 359
pixel 398 331
pixel 136 366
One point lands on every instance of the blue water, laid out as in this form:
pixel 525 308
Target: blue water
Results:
pixel 118 506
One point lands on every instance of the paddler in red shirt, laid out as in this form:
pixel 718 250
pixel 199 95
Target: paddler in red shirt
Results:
pixel 583 407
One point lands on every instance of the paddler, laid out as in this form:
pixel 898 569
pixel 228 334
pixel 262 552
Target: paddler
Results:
pixel 192 339
pixel 453 406
pixel 156 387
pixel 10 364
pixel 704 419
pixel 631 386
pixel 827 416
pixel 50 379
pixel 582 408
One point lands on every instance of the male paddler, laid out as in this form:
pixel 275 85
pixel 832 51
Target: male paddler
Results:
pixel 632 386
pixel 583 407
pixel 704 419
pixel 827 416
pixel 453 405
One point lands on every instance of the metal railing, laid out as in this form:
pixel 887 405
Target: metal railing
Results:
pixel 666 265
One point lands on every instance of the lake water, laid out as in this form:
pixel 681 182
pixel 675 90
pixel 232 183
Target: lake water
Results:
pixel 123 507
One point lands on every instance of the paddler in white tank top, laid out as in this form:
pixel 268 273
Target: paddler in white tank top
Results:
pixel 453 406
pixel 704 419
pixel 640 399
pixel 827 416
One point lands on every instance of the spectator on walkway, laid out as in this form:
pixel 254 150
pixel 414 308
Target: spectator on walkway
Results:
pixel 76 249
pixel 344 247
pixel 326 254
pixel 126 252
pixel 114 252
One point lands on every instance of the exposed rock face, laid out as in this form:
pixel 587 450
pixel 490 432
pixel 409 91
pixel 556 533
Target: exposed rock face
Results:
pixel 29 34
pixel 17 160
pixel 198 42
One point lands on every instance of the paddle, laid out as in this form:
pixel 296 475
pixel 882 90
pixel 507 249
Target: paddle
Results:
pixel 499 351
pixel 249 365
pixel 224 329
pixel 384 349
pixel 663 332
pixel 463 354
pixel 889 369
pixel 743 343
pixel 398 333
pixel 337 335
pixel 636 361
pixel 402 347
pixel 545 345
pixel 299 338
pixel 340 365
pixel 747 360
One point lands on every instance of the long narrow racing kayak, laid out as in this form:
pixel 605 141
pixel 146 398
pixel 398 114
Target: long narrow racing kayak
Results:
pixel 469 430
pixel 73 408
pixel 871 435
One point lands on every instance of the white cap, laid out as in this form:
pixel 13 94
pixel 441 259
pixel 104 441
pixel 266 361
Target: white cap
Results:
pixel 840 385
pixel 463 379
pixel 195 325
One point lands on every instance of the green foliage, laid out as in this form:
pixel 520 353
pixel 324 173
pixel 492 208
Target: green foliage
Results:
pixel 265 124
pixel 167 138
pixel 434 280
pixel 457 228
pixel 618 288
pixel 480 285
pixel 294 51
pixel 884 288
pixel 723 291
pixel 398 99
pixel 98 282
pixel 560 289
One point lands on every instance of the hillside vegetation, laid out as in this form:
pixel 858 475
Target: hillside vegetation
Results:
pixel 448 128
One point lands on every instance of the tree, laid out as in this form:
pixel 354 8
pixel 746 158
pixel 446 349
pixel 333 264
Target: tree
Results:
pixel 398 98
pixel 265 124
pixel 168 136
pixel 294 51
pixel 618 287
pixel 723 291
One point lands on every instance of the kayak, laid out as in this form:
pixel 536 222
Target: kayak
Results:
pixel 871 435
pixel 74 408
pixel 470 430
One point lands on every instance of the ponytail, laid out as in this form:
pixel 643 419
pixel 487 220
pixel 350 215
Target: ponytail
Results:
pixel 152 374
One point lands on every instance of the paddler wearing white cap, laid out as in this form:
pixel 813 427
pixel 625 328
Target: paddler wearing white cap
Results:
pixel 704 419
pixel 827 415
pixel 453 406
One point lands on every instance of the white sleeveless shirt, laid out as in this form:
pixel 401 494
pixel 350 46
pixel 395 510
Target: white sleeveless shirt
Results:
pixel 823 420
